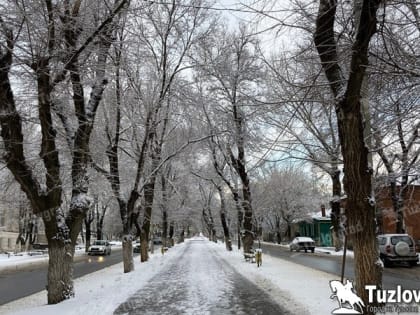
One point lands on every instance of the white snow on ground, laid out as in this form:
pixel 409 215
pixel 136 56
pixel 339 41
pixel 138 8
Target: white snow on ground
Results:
pixel 302 290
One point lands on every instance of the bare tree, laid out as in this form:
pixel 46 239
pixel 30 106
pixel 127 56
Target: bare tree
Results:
pixel 357 171
pixel 229 62
pixel 304 115
pixel 56 40
pixel 394 73
pixel 286 194
pixel 88 225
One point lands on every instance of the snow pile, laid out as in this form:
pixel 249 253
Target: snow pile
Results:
pixel 331 251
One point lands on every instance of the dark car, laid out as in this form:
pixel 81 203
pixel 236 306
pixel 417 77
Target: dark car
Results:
pixel 302 243
pixel 397 248
pixel 136 248
pixel 157 240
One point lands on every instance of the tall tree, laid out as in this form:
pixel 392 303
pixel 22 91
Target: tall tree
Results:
pixel 168 31
pixel 394 91
pixel 357 171
pixel 304 115
pixel 56 39
pixel 229 63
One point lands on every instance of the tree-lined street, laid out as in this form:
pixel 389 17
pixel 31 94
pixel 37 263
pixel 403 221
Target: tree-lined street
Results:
pixel 156 121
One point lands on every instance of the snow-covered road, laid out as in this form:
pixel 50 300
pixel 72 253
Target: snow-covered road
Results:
pixel 200 282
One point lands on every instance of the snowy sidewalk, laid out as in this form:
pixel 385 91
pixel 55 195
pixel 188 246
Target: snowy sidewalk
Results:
pixel 200 283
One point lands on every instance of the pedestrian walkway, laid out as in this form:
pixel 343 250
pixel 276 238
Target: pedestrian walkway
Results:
pixel 201 283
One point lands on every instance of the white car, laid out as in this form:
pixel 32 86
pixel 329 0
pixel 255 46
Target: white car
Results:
pixel 100 247
pixel 397 248
pixel 302 243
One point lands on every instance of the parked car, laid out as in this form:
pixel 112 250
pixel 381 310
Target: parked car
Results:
pixel 302 243
pixel 397 248
pixel 100 247
pixel 157 240
pixel 136 248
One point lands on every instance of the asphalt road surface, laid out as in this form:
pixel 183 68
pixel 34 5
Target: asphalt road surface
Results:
pixel 15 285
pixel 407 277
pixel 200 283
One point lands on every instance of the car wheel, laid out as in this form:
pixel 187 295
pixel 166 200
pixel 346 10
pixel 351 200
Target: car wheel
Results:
pixel 306 250
pixel 413 263
pixel 291 249
pixel 313 250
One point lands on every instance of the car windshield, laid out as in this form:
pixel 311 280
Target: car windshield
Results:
pixel 99 243
pixel 402 238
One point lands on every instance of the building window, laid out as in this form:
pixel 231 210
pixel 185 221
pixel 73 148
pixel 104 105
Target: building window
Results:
pixel 2 219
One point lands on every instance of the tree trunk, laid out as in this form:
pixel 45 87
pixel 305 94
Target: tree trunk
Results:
pixel 60 272
pixel 248 239
pixel 360 211
pixel 239 165
pixel 240 216
pixel 226 233
pixel 278 232
pixel 336 209
pixel 99 234
pixel 400 203
pixel 88 235
pixel 165 229
pixel 149 188
pixel 149 193
pixel 164 205
pixel 171 234
pixel 181 236
pixel 144 247
pixel 127 250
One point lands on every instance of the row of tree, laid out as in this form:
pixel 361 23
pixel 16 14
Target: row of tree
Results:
pixel 170 110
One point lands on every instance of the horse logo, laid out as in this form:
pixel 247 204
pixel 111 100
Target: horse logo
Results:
pixel 348 301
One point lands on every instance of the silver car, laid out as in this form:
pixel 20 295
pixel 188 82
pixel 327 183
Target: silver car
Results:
pixel 395 248
pixel 100 247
